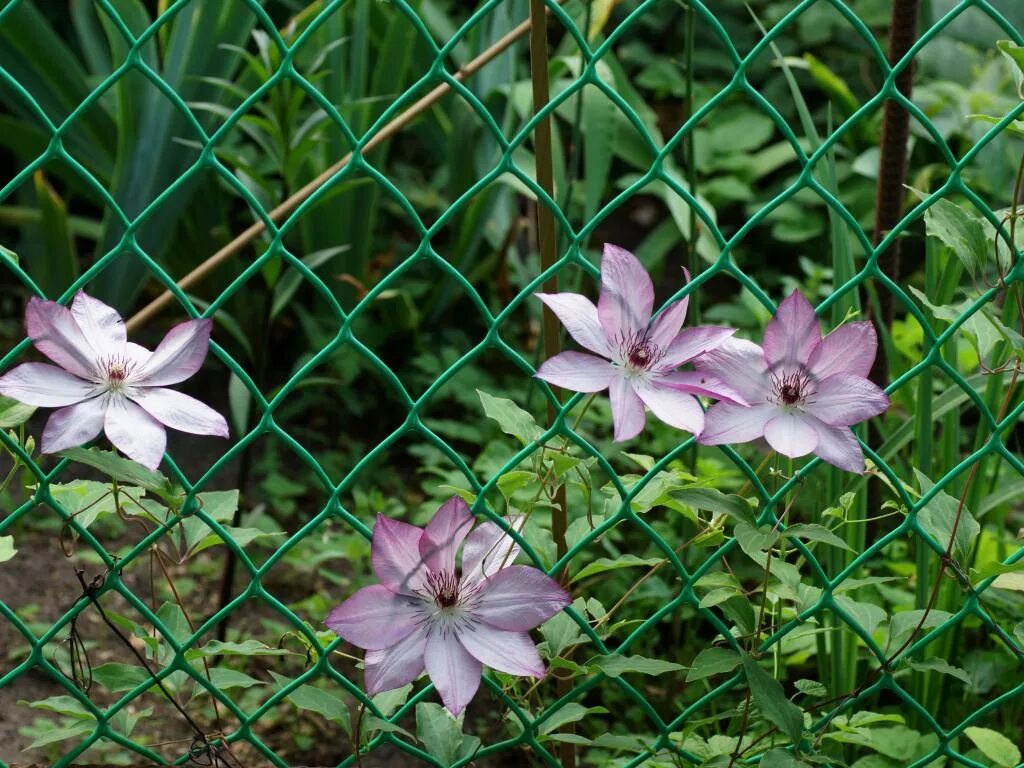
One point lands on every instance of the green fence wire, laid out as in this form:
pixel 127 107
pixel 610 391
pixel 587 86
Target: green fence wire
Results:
pixel 828 609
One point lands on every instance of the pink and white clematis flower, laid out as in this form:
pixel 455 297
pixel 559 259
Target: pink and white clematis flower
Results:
pixel 635 358
pixel 105 382
pixel 428 612
pixel 804 390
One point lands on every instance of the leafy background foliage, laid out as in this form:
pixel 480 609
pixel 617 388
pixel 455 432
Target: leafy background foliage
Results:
pixel 374 352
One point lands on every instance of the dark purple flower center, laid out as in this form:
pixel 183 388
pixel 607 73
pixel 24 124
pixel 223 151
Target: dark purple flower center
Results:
pixel 116 371
pixel 791 388
pixel 443 587
pixel 639 352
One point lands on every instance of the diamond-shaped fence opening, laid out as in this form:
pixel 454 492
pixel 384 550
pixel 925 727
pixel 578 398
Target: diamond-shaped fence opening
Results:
pixel 370 182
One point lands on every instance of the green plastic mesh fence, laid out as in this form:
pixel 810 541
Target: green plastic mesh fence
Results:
pixel 136 38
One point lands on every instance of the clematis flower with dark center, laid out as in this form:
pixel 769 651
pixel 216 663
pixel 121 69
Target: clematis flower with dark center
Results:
pixel 635 357
pixel 804 391
pixel 103 382
pixel 451 619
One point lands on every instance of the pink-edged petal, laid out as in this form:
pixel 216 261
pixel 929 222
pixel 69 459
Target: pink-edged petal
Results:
pixel 444 534
pixel 842 400
pixel 396 666
pixel 666 325
pixel 577 371
pixel 55 333
pixel 579 316
pixel 178 356
pixel 101 325
pixel 73 426
pixel 136 355
pixel 488 549
pixel 179 411
pixel 519 598
pixel 375 618
pixel 677 409
pixel 725 423
pixel 693 342
pixel 395 554
pixel 134 432
pixel 793 333
pixel 741 363
pixel 511 652
pixel 791 433
pixel 839 446
pixel 627 294
pixel 41 384
pixel 454 671
pixel 848 349
pixel 701 383
pixel 628 415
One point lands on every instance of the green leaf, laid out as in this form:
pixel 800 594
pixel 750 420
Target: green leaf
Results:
pixel 225 678
pixel 755 540
pixel 63 705
pixel 512 419
pixel 13 413
pixel 995 746
pixel 615 665
pixel 245 648
pixel 62 734
pixel 89 500
pixel 780 758
pixel 713 661
pixel 943 667
pixel 815 532
pixel 117 677
pixel 772 702
pixel 243 537
pixel 968 235
pixel 7 550
pixel 125 471
pixel 317 700
pixel 568 713
pixel 811 688
pixel 388 702
pixel 441 734
pixel 939 516
pixel 560 632
pixel 603 564
pixel 715 501
pixel 902 624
